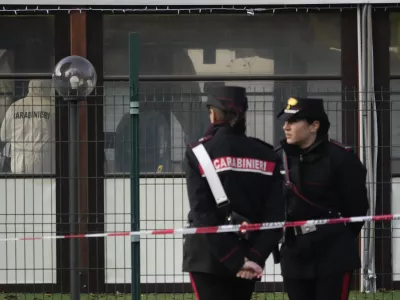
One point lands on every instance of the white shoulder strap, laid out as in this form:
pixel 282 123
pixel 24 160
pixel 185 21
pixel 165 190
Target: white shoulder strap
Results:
pixel 211 175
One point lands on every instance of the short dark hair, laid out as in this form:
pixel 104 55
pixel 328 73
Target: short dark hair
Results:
pixel 237 121
pixel 324 124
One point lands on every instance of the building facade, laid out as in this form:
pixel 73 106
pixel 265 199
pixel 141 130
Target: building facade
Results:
pixel 274 51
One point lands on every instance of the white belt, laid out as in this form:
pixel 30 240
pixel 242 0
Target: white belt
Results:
pixel 211 175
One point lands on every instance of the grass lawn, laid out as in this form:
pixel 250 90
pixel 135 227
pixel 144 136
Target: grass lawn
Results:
pixel 391 295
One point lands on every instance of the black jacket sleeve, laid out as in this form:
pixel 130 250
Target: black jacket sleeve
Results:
pixel 268 240
pixel 204 212
pixel 351 184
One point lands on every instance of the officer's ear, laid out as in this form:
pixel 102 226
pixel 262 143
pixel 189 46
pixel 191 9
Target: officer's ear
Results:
pixel 211 112
pixel 315 126
pixel 216 115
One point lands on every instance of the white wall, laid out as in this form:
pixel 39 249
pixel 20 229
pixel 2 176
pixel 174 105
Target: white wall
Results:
pixel 396 229
pixel 27 208
pixel 163 204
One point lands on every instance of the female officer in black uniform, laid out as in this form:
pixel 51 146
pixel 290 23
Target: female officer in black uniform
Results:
pixel 323 179
pixel 221 265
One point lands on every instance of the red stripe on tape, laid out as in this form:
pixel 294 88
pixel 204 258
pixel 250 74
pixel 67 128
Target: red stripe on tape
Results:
pixel 295 223
pixel 223 228
pixel 207 230
pixel 337 221
pixel 384 218
pixel 250 227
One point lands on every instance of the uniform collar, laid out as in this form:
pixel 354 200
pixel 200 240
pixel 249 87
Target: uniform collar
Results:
pixel 220 127
pixel 316 148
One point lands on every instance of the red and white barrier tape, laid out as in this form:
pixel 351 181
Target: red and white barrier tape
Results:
pixel 214 229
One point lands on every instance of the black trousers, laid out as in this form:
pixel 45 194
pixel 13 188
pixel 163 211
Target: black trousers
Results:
pixel 335 287
pixel 213 287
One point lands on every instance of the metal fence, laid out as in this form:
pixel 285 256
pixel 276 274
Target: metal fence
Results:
pixel 34 183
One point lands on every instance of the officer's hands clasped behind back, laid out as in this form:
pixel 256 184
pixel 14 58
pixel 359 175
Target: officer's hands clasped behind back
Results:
pixel 248 169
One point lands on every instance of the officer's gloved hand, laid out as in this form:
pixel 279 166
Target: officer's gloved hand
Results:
pixel 250 270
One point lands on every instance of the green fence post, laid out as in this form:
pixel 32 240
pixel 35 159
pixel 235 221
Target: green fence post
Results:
pixel 135 212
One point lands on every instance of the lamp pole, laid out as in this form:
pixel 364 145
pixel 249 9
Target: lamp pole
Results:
pixel 73 162
pixel 74 78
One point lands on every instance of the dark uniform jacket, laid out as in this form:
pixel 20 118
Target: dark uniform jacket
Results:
pixel 249 172
pixel 330 181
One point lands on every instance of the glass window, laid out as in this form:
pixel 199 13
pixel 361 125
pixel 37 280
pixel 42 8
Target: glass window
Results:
pixel 394 51
pixel 165 109
pixel 173 115
pixel 27 112
pixel 296 43
pixel 394 48
pixel 27 131
pixel 27 46
pixel 395 124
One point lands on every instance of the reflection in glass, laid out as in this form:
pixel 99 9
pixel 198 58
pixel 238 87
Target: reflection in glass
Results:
pixel 27 44
pixel 395 124
pixel 28 131
pixel 173 115
pixel 292 43
pixel 394 48
pixel 165 109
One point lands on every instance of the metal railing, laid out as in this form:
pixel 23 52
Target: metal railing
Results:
pixel 171 114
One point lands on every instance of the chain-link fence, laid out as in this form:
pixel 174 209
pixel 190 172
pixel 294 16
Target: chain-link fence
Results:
pixel 35 184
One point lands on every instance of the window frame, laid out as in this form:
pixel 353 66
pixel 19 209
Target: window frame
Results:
pixel 59 52
pixel 210 78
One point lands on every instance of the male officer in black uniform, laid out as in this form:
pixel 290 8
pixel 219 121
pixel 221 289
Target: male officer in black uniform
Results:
pixel 222 266
pixel 323 179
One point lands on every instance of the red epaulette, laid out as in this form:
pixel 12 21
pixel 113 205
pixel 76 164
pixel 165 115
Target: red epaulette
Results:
pixel 347 148
pixel 201 140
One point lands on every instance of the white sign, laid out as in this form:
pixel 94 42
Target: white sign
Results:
pixel 191 2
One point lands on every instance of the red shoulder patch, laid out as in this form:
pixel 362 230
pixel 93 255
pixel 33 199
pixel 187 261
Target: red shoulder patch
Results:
pixel 347 148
